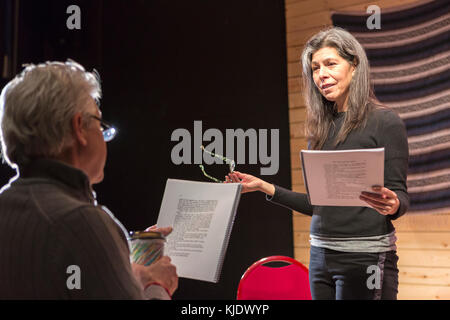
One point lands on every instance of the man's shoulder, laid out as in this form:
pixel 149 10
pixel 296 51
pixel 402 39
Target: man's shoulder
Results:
pixel 44 198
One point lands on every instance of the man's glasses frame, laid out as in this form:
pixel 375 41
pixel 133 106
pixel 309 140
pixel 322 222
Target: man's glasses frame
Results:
pixel 108 131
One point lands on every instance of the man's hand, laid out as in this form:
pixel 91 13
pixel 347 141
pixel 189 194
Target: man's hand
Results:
pixel 161 272
pixel 165 231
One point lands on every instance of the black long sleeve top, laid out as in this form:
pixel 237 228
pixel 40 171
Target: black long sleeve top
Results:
pixel 384 128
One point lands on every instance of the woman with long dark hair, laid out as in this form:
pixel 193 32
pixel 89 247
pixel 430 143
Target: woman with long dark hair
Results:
pixel 353 251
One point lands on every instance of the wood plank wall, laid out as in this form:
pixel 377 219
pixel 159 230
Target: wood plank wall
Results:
pixel 423 240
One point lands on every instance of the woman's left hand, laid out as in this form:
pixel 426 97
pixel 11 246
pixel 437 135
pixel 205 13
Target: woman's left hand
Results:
pixel 383 200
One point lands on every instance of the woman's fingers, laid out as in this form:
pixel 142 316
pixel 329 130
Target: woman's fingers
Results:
pixel 376 199
pixel 233 177
pixel 383 200
pixel 239 175
pixel 385 192
pixel 377 204
pixel 381 209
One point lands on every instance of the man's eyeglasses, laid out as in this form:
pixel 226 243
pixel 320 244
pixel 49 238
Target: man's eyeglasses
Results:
pixel 230 163
pixel 109 132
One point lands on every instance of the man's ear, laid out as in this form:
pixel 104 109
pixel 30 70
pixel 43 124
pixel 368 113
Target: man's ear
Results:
pixel 79 132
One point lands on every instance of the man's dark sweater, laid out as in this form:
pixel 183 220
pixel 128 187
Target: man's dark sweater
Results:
pixel 385 129
pixel 48 222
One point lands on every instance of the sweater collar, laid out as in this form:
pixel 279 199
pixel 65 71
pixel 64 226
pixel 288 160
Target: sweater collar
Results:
pixel 60 171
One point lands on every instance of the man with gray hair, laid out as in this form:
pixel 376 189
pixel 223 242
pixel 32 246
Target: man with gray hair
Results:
pixel 51 226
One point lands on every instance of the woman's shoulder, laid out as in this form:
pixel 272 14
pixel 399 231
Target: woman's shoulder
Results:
pixel 386 115
pixel 385 122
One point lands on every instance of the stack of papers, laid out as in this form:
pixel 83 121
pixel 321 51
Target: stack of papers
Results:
pixel 337 178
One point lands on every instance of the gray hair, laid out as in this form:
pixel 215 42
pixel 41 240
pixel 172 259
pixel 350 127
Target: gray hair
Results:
pixel 320 111
pixel 37 106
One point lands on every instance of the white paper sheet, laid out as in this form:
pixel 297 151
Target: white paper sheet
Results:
pixel 337 178
pixel 202 215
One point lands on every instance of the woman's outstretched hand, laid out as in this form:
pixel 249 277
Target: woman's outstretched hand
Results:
pixel 250 183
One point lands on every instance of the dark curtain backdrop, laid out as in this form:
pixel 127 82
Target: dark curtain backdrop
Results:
pixel 165 65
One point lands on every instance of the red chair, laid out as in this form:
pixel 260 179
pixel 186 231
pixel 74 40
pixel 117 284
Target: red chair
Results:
pixel 288 282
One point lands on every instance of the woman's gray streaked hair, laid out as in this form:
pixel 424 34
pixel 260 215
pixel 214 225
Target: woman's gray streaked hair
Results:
pixel 37 106
pixel 361 99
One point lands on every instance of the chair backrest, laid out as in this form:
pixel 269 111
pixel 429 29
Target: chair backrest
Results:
pixel 288 282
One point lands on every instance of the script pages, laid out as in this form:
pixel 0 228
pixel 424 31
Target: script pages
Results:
pixel 336 178
pixel 202 216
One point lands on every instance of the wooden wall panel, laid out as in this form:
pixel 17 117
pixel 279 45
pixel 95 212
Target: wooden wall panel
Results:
pixel 319 19
pixel 408 291
pixel 423 240
pixel 295 84
pixel 425 276
pixel 297 115
pixel 420 223
pixel 305 7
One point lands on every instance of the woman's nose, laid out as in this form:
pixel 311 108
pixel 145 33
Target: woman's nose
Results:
pixel 322 73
